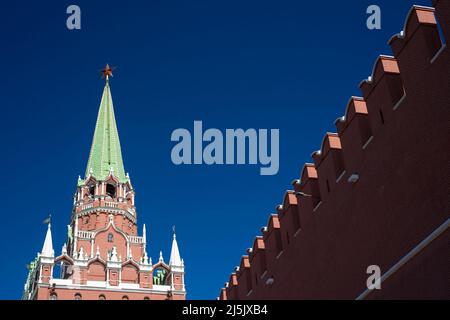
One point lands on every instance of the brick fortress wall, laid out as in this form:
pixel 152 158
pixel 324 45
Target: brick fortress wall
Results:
pixel 376 189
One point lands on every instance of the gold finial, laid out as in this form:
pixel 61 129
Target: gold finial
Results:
pixel 107 71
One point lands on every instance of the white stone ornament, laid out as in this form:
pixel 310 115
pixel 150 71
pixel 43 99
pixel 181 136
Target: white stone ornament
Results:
pixel 145 260
pixel 81 254
pixel 114 254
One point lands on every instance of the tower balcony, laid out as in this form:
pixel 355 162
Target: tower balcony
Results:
pixel 105 206
pixel 95 203
pixel 89 235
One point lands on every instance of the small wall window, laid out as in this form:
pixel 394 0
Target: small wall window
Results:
pixel 146 298
pixel 110 237
pixel 125 298
pixel 53 296
pixel 101 297
pixel 111 190
pixel 77 296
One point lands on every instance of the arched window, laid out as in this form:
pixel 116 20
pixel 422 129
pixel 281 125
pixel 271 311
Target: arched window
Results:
pixel 159 276
pixel 125 298
pixel 77 296
pixel 92 190
pixel 110 237
pixel 146 298
pixel 53 296
pixel 101 297
pixel 111 190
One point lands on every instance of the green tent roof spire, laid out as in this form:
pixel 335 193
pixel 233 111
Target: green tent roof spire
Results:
pixel 106 155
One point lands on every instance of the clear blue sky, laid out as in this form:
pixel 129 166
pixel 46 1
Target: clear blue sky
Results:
pixel 281 64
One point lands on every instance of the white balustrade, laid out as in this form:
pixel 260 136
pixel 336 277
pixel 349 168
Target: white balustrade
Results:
pixel 135 239
pixel 87 206
pixel 85 234
pixel 111 204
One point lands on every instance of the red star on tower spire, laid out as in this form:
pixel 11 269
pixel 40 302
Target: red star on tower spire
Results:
pixel 107 72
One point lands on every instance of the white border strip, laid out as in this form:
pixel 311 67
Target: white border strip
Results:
pixel 436 233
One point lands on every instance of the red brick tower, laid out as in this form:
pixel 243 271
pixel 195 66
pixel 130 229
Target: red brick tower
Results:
pixel 104 257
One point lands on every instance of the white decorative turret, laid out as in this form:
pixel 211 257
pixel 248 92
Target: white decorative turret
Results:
pixel 161 259
pixel 75 238
pixel 144 235
pixel 129 255
pixel 82 254
pixel 145 259
pixel 64 249
pixel 175 259
pixel 47 248
pixel 114 254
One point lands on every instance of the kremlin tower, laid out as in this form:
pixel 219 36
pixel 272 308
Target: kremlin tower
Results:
pixel 104 258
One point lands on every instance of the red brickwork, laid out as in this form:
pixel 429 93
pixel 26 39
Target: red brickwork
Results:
pixel 375 191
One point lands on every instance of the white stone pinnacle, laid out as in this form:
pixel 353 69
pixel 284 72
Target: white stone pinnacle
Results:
pixel 175 259
pixel 47 248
